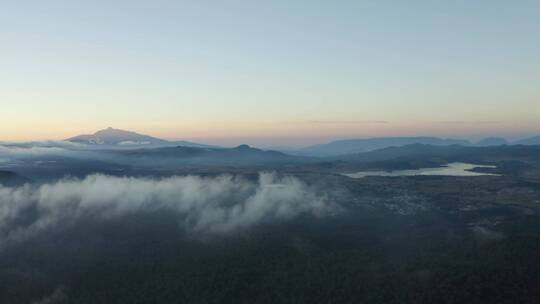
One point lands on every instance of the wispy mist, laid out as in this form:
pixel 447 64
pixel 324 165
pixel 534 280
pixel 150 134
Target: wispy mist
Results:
pixel 204 205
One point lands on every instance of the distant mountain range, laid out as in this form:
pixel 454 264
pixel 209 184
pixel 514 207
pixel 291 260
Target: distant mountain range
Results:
pixel 127 139
pixel 181 155
pixel 119 152
pixel 122 139
pixel 351 146
pixel 444 154
pixel 365 145
pixel 529 141
pixel 492 141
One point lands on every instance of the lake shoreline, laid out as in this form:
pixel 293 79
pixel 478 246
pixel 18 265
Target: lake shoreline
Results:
pixel 450 169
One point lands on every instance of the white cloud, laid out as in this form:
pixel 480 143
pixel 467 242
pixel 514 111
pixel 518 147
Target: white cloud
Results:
pixel 204 205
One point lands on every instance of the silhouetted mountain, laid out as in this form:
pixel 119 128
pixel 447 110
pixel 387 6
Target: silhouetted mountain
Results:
pixel 492 141
pixel 370 144
pixel 529 141
pixel 240 155
pixel 444 154
pixel 116 137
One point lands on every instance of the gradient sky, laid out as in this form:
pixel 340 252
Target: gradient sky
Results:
pixel 273 72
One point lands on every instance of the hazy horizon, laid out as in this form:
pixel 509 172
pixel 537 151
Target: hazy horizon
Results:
pixel 294 142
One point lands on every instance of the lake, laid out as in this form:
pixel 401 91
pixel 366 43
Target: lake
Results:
pixel 451 169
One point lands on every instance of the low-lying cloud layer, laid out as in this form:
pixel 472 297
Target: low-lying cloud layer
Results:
pixel 204 205
pixel 38 147
pixel 14 151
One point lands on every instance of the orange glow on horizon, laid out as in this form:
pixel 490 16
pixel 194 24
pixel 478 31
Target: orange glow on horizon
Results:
pixel 303 132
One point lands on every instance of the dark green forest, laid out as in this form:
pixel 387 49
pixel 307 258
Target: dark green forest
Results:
pixel 359 257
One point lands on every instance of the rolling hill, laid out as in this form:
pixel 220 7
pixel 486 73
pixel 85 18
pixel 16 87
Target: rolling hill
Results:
pixel 180 155
pixel 529 141
pixel 365 145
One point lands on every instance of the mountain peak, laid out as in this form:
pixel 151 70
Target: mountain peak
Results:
pixel 117 137
pixel 111 136
pixel 243 147
pixel 111 131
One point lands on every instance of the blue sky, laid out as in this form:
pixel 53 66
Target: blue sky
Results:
pixel 280 72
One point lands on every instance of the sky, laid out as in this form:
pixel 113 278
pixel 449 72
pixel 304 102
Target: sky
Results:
pixel 275 73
